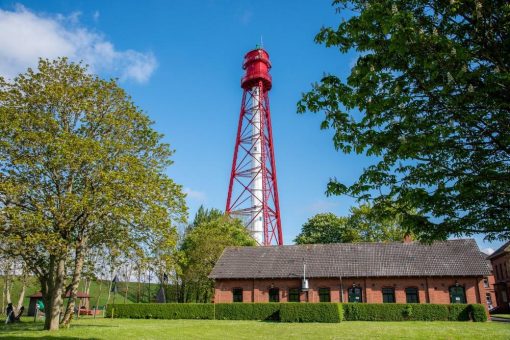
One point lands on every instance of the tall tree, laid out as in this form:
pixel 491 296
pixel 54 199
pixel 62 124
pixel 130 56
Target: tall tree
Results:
pixel 202 247
pixel 362 225
pixel 80 168
pixel 372 226
pixel 325 228
pixel 429 96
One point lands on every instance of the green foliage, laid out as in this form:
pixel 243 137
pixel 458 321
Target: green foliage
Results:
pixel 375 227
pixel 428 99
pixel 248 311
pixel 311 312
pixel 162 311
pixel 362 225
pixel 81 169
pixel 478 312
pixel 325 228
pixel 412 312
pixel 201 248
pixel 458 312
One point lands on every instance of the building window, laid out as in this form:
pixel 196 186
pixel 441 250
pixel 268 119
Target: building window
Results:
pixel 237 295
pixel 324 295
pixel 488 298
pixel 294 295
pixel 412 295
pixel 486 282
pixel 388 295
pixel 354 294
pixel 274 295
pixel 457 294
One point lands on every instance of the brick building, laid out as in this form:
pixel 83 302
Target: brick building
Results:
pixel 500 260
pixel 444 272
pixel 489 284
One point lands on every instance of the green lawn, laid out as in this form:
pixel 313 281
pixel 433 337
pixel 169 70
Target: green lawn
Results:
pixel 208 329
pixel 502 316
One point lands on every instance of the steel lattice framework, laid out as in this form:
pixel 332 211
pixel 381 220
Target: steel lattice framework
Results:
pixel 253 190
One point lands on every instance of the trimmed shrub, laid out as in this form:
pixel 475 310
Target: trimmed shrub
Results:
pixel 373 312
pixel 162 311
pixel 311 312
pixel 458 312
pixel 403 312
pixel 428 312
pixel 248 311
pixel 301 312
pixel 478 312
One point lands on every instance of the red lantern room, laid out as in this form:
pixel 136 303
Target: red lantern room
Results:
pixel 257 65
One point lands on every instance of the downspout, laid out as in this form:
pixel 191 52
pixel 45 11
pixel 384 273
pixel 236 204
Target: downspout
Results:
pixel 341 290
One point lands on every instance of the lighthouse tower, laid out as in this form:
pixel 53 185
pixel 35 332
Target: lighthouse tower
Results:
pixel 253 190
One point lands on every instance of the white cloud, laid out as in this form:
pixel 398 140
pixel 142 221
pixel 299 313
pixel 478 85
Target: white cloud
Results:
pixel 488 251
pixel 195 195
pixel 246 16
pixel 96 15
pixel 322 206
pixel 25 36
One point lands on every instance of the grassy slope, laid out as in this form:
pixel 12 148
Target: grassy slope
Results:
pixel 208 329
pixel 33 287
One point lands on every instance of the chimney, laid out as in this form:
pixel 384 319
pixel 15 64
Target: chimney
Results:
pixel 408 238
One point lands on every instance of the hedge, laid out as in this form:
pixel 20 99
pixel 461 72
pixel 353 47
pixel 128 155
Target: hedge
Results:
pixel 311 312
pixel 248 311
pixel 414 312
pixel 301 312
pixel 478 312
pixel 162 311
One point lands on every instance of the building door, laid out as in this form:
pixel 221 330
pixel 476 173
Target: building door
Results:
pixel 274 295
pixel 354 294
pixel 457 294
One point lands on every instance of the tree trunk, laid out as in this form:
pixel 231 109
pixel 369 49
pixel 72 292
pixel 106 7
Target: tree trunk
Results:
pixel 24 278
pixel 52 289
pixel 7 281
pixel 73 288
pixel 98 295
pixel 139 284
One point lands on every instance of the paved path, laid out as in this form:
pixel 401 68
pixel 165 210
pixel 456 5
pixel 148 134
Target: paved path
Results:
pixel 494 318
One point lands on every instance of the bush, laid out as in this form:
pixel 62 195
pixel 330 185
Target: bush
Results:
pixel 458 312
pixel 301 312
pixel 478 312
pixel 415 312
pixel 162 311
pixel 248 311
pixel 311 312
pixel 429 312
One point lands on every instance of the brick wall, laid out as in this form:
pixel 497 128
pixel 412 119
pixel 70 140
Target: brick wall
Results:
pixel 501 271
pixel 430 290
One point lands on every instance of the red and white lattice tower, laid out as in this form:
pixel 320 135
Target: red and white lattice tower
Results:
pixel 253 192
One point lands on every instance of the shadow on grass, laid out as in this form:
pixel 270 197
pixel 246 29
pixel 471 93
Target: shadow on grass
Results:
pixel 48 337
pixel 36 330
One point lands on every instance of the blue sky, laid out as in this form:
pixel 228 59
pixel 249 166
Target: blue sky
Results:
pixel 181 63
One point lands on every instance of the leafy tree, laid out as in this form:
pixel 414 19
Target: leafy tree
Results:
pixel 372 227
pixel 81 168
pixel 204 215
pixel 362 225
pixel 204 244
pixel 325 228
pixel 429 97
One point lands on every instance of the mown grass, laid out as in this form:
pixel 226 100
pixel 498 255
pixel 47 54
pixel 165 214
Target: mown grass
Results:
pixel 502 316
pixel 216 329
